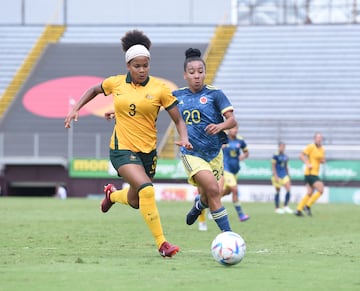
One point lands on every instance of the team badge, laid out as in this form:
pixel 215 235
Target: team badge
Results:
pixel 203 100
pixel 133 157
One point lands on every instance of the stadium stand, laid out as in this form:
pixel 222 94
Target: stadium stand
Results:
pixel 286 82
pixel 16 43
pixel 169 34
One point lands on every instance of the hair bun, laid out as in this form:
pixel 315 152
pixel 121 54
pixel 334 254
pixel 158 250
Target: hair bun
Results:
pixel 190 53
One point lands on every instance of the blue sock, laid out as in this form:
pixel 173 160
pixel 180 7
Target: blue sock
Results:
pixel 277 199
pixel 199 204
pixel 238 209
pixel 287 198
pixel 221 218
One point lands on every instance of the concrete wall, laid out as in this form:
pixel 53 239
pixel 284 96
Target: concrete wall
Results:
pixel 115 12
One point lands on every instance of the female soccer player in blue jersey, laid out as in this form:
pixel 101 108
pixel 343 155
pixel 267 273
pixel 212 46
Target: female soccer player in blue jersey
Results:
pixel 281 178
pixel 234 151
pixel 203 109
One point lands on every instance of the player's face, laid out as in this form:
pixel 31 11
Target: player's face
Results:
pixel 139 68
pixel 318 139
pixel 233 132
pixel 282 148
pixel 195 75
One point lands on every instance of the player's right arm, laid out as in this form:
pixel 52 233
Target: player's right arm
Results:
pixel 273 168
pixel 304 158
pixel 89 94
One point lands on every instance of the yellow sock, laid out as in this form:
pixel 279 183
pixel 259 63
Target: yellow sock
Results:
pixel 303 202
pixel 150 212
pixel 120 196
pixel 202 216
pixel 313 199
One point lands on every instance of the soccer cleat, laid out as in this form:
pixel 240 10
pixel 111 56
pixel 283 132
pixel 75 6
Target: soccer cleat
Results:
pixel 307 210
pixel 244 217
pixel 193 213
pixel 106 203
pixel 299 213
pixel 279 211
pixel 168 250
pixel 202 226
pixel 287 209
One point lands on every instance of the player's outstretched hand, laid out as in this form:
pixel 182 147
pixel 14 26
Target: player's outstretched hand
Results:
pixel 185 144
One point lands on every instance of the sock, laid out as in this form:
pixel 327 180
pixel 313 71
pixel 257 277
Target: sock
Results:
pixel 202 216
pixel 313 199
pixel 238 209
pixel 303 202
pixel 199 204
pixel 277 199
pixel 150 212
pixel 120 196
pixel 221 218
pixel 287 198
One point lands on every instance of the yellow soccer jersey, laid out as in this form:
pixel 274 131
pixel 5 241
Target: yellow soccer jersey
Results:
pixel 136 110
pixel 315 155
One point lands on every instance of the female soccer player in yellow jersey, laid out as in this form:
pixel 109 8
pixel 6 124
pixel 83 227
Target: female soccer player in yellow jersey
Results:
pixel 207 113
pixel 137 100
pixel 312 156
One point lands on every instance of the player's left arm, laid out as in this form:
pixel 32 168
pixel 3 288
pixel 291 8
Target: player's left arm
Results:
pixel 228 123
pixel 244 155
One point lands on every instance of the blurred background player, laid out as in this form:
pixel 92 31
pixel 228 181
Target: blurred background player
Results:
pixel 234 151
pixel 137 100
pixel 60 192
pixel 281 178
pixel 207 112
pixel 312 156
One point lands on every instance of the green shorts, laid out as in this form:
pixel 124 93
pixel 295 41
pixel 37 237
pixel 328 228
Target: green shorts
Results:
pixel 311 179
pixel 119 158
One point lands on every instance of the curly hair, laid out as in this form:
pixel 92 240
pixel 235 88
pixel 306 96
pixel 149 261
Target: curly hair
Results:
pixel 134 37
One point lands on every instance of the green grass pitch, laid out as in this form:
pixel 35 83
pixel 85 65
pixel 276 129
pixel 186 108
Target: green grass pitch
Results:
pixel 49 244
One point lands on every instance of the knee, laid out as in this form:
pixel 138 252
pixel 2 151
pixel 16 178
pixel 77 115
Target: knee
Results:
pixel 146 191
pixel 212 191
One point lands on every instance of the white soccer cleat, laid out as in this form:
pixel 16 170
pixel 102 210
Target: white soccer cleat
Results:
pixel 202 226
pixel 279 211
pixel 287 209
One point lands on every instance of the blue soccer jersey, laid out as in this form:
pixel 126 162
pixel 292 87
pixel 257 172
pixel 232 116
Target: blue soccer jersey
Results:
pixel 280 161
pixel 199 110
pixel 232 151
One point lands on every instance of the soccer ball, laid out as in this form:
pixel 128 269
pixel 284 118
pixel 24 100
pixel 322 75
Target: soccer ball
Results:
pixel 228 248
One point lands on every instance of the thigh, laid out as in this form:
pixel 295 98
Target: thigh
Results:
pixel 134 174
pixel 319 186
pixel 230 179
pixel 194 165
pixel 208 184
pixel 309 189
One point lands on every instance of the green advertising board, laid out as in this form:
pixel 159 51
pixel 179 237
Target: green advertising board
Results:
pixel 250 170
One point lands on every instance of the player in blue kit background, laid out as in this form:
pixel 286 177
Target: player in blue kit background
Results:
pixel 203 108
pixel 234 151
pixel 281 178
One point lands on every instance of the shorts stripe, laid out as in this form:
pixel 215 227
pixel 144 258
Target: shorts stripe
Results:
pixel 186 163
